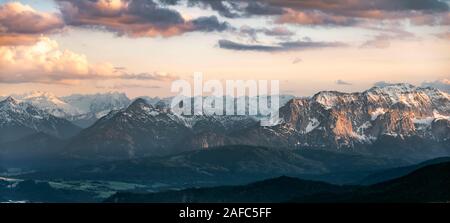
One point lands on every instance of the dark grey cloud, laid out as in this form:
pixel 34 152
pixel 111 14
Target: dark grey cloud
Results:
pixel 209 24
pixel 259 8
pixel 323 12
pixel 279 47
pixel 343 7
pixel 278 31
pixel 349 7
pixel 342 82
pixel 229 9
pixel 135 18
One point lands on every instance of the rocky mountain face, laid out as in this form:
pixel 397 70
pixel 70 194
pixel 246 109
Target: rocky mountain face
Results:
pixel 20 119
pixel 143 129
pixel 397 120
pixel 341 120
pixel 344 120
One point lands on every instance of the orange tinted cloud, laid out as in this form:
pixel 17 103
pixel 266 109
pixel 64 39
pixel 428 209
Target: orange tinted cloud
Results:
pixel 45 62
pixel 21 24
pixel 313 18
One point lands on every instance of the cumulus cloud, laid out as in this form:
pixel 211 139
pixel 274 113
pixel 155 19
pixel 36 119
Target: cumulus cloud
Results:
pixel 134 18
pixel 443 85
pixel 45 62
pixel 21 24
pixel 279 47
pixel 342 82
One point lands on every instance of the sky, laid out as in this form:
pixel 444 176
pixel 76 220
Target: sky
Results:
pixel 140 46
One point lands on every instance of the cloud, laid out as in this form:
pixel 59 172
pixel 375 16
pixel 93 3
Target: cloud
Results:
pixel 297 60
pixel 323 12
pixel 258 8
pixel 386 36
pixel 45 62
pixel 341 82
pixel 125 85
pixel 208 24
pixel 443 85
pixel 380 42
pixel 279 47
pixel 277 32
pixel 382 84
pixel 444 36
pixel 361 7
pixel 314 18
pixel 147 76
pixel 20 24
pixel 134 18
pixel 229 9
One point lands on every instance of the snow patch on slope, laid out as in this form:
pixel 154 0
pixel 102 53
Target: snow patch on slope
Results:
pixel 313 124
pixel 379 111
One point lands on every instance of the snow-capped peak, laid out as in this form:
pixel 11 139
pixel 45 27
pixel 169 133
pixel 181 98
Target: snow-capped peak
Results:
pixel 48 102
pixel 98 103
pixel 399 87
pixel 10 100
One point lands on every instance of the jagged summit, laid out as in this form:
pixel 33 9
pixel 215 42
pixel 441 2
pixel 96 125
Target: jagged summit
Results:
pixel 19 119
pixel 9 100
pixel 140 101
pixel 349 119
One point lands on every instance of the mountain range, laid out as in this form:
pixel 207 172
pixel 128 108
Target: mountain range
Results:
pixel 427 184
pixel 398 121
pixel 227 165
pixel 89 141
pixel 82 110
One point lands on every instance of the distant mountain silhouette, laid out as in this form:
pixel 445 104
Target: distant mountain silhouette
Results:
pixel 228 165
pixel 389 174
pixel 427 184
